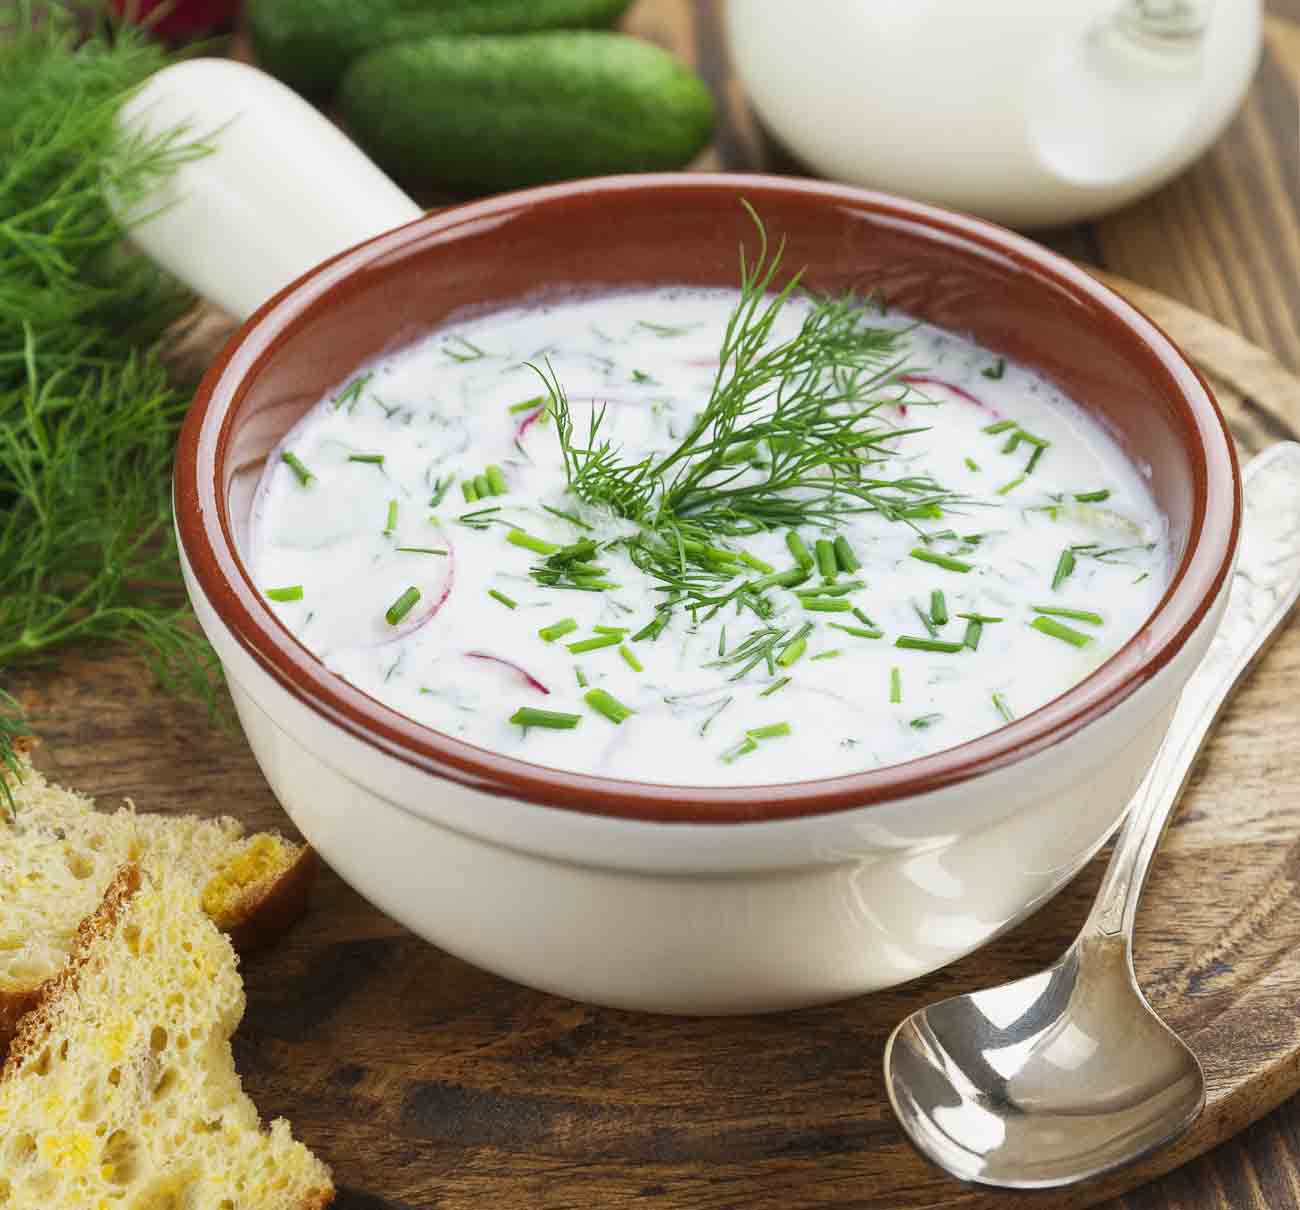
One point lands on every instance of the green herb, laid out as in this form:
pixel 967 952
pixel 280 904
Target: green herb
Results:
pixel 642 378
pixel 652 629
pixel 557 630
pixel 743 748
pixel 467 351
pixel 708 722
pixel 606 704
pixel 925 721
pixel 528 405
pixel 402 606
pixel 862 617
pixel 780 579
pixel 496 595
pixel 826 604
pixel 391 523
pixel 770 731
pixel 828 655
pixel 895 686
pixel 529 716
pixel 996 370
pixel 1059 630
pixel 1093 497
pixel 860 632
pixel 1079 615
pixel 827 564
pixel 802 555
pixel 974 632
pixel 999 426
pixel 779 683
pixel 595 644
pixel 420 550
pixel 517 537
pixel 295 464
pixel 372 459
pixel 1064 568
pixel 351 394
pixel 1034 457
pixel 440 488
pixel 971 464
pixel 1000 704
pixel 944 561
pixel 469 491
pixel 12 728
pixel 629 658
pixel 496 480
pixel 938 608
pixel 582 679
pixel 926 620
pixel 844 555
pixel 291 593
pixel 911 642
pixel 483 486
pixel 831 590
pixel 1010 486
pixel 756 563
pixel 790 653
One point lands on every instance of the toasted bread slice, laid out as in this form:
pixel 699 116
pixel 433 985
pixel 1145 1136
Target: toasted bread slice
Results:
pixel 120 1088
pixel 58 855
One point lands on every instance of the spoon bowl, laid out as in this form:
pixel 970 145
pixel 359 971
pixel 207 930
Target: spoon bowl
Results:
pixel 1048 1080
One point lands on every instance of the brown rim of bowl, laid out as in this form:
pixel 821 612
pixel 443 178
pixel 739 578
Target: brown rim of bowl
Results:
pixel 205 533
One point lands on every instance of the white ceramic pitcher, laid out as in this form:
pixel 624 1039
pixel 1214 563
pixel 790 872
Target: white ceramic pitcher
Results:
pixel 1028 112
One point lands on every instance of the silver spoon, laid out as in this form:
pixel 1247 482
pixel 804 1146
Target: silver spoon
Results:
pixel 1067 1074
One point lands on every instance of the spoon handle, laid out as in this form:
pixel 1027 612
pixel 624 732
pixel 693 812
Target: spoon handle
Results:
pixel 1264 590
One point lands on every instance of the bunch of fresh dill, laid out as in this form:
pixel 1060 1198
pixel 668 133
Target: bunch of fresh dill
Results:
pixel 88 412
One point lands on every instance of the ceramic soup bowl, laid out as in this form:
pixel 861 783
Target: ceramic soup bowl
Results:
pixel 671 898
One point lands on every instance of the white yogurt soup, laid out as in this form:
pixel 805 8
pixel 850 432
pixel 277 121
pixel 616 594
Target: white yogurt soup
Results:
pixel 860 541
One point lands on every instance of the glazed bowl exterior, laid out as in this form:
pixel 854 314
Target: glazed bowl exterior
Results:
pixel 682 899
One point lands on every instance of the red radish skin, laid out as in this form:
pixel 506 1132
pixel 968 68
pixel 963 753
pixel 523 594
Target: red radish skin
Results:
pixel 528 421
pixel 527 677
pixel 179 20
pixel 960 392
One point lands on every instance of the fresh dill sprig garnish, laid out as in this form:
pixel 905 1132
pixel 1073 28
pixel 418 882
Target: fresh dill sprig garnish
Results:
pixel 12 726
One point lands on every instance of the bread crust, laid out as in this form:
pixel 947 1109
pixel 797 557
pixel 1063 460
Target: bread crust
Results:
pixel 36 1025
pixel 267 912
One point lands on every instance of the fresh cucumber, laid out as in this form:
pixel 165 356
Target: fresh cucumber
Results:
pixel 499 112
pixel 308 43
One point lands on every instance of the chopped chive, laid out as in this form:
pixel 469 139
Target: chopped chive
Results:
pixel 1011 442
pixel 756 563
pixel 912 643
pixel 831 590
pixel 974 630
pixel 517 537
pixel 618 630
pixel 595 644
pixel 391 523
pixel 1000 704
pixel 352 392
pixel 944 561
pixel 708 722
pixel 482 486
pixel 295 464
pixel 999 426
pixel 770 731
pixel 971 464
pixel 826 561
pixel 938 608
pixel 607 704
pixel 1059 630
pixel 1011 485
pixel 440 487
pixel 1093 497
pixel 780 579
pixel 530 716
pixel 402 606
pixel 895 685
pixel 557 630
pixel 980 617
pixel 802 555
pixel 780 683
pixel 373 459
pixel 859 632
pixel 1064 568
pixel 828 655
pixel 501 596
pixel 924 618
pixel 571 518
pixel 791 652
pixel 1146 575
pixel 844 555
pixel 722 643
pixel 496 480
pixel 743 748
pixel 652 629
pixel 1079 615
pixel 925 721
pixel 527 405
pixel 582 679
pixel 469 490
pixel 642 378
pixel 420 550
pixel 826 604
pixel 292 592
pixel 629 658
pixel 862 617
pixel 1033 459
pixel 996 370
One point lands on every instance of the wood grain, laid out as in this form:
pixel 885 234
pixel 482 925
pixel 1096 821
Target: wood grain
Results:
pixel 427 1083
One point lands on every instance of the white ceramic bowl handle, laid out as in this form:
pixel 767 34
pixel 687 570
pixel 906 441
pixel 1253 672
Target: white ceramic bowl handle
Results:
pixel 282 189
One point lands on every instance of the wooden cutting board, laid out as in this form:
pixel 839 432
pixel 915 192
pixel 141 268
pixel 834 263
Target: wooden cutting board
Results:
pixel 427 1083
